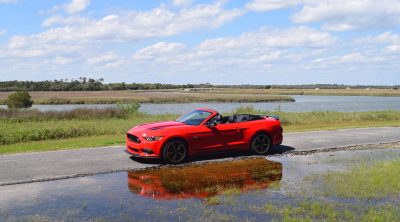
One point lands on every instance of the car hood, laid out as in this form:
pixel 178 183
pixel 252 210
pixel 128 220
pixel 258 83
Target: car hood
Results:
pixel 157 126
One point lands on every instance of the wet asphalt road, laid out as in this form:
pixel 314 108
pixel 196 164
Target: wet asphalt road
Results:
pixel 42 166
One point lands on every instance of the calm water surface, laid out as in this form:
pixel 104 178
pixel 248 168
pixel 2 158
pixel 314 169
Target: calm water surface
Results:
pixel 302 104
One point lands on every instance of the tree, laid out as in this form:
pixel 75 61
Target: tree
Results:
pixel 20 99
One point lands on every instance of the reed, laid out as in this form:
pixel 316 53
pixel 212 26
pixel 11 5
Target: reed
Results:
pixel 113 97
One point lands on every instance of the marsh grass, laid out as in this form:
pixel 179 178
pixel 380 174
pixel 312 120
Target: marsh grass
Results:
pixel 114 97
pixel 380 180
pixel 27 126
pixel 309 210
pixel 36 115
pixel 324 117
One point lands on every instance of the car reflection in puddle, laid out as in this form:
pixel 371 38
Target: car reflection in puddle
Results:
pixel 205 180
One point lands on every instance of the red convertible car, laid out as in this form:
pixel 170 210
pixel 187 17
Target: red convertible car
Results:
pixel 204 131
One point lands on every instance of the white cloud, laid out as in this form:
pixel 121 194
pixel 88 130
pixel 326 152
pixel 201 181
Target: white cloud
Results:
pixel 338 15
pixel 387 40
pixel 393 48
pixel 268 5
pixel 89 43
pixel 76 6
pixel 273 38
pixel 2 32
pixel 388 37
pixel 61 60
pixel 181 3
pixel 70 34
pixel 343 15
pixel 267 45
pixel 258 56
pixel 159 49
pixel 58 20
pixel 353 60
pixel 355 57
pixel 108 59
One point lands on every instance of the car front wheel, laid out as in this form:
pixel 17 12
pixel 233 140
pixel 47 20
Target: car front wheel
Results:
pixel 175 151
pixel 260 144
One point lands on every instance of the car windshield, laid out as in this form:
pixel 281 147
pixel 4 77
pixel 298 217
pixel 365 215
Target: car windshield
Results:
pixel 196 117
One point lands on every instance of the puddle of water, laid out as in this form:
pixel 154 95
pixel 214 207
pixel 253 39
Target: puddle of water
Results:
pixel 184 193
pixel 206 180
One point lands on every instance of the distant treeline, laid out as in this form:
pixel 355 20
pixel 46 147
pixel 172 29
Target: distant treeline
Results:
pixel 88 84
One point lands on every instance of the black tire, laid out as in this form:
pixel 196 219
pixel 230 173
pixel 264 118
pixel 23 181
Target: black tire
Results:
pixel 260 144
pixel 175 151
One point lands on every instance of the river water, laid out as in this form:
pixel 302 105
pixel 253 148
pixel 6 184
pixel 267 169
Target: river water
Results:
pixel 303 104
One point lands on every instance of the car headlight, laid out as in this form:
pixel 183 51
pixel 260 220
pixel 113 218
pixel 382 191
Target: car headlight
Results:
pixel 152 138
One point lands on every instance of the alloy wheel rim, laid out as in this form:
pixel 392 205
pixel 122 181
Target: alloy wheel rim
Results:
pixel 176 152
pixel 261 144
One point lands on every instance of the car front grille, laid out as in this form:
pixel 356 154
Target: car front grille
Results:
pixel 133 138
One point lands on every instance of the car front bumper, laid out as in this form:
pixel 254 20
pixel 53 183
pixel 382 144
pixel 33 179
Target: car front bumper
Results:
pixel 135 154
pixel 143 149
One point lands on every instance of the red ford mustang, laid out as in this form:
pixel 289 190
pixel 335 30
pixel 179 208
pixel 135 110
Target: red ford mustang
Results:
pixel 203 131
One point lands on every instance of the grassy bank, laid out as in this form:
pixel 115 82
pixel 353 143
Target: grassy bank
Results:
pixel 112 97
pixel 375 182
pixel 307 211
pixel 25 131
pixel 380 180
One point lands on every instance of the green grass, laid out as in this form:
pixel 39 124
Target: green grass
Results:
pixel 326 211
pixel 377 181
pixel 63 144
pixel 37 131
pixel 15 131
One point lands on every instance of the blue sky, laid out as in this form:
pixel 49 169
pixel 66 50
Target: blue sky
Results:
pixel 188 41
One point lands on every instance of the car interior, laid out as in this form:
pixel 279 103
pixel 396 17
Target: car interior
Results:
pixel 236 118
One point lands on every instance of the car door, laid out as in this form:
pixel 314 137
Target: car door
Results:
pixel 204 138
pixel 231 135
pixel 216 138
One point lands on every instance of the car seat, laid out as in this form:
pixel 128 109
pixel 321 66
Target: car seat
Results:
pixel 242 118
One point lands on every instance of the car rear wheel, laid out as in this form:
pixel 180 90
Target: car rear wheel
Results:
pixel 175 151
pixel 260 144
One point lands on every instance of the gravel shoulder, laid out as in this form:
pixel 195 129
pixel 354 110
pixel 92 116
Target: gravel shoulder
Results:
pixel 52 165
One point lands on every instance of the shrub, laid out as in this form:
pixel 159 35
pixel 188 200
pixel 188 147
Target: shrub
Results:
pixel 131 108
pixel 20 99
